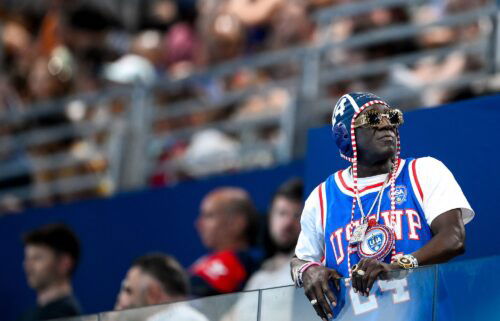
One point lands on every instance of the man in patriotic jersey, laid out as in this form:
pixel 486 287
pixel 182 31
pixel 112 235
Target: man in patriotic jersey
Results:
pixel 381 214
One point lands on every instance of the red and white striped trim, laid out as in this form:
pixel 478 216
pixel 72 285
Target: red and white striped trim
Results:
pixel 343 181
pixel 340 179
pixel 322 204
pixel 415 183
pixel 323 212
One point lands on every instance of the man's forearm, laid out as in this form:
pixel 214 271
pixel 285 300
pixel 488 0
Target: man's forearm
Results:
pixel 448 241
pixel 441 248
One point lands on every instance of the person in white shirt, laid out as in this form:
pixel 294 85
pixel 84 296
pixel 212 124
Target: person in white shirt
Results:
pixel 284 229
pixel 381 214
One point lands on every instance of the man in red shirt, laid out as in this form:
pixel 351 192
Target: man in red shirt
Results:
pixel 227 225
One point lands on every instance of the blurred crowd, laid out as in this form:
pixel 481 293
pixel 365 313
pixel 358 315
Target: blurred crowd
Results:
pixel 54 49
pixel 246 251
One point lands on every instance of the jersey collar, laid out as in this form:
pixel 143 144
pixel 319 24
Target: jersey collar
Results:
pixel 345 184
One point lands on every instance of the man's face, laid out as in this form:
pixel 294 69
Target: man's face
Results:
pixel 285 222
pixel 376 143
pixel 41 266
pixel 212 223
pixel 133 291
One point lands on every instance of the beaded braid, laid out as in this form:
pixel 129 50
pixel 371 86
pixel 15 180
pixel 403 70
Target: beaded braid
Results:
pixel 395 166
pixel 354 161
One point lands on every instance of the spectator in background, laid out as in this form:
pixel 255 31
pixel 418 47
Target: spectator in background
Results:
pixel 157 279
pixel 283 232
pixel 284 229
pixel 51 257
pixel 228 226
pixel 429 70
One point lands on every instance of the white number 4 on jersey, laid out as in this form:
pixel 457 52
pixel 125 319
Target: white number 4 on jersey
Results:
pixel 399 290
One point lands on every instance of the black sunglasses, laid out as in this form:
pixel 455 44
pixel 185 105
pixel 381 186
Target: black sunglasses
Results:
pixel 373 118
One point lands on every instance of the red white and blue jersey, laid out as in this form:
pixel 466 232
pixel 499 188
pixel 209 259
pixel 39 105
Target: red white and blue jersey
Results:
pixel 424 189
pixel 411 229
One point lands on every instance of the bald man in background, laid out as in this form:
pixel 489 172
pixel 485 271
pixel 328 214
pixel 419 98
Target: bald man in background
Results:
pixel 228 226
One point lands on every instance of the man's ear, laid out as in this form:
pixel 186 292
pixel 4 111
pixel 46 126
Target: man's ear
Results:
pixel 64 265
pixel 151 294
pixel 155 294
pixel 238 224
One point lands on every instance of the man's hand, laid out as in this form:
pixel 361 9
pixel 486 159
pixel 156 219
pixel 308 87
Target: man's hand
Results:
pixel 373 269
pixel 316 287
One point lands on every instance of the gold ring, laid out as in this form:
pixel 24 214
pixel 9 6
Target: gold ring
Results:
pixel 354 268
pixel 360 272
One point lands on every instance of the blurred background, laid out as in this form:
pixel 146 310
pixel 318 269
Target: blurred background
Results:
pixel 105 96
pixel 153 103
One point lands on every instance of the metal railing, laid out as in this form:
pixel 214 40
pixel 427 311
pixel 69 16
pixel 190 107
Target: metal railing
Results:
pixel 123 129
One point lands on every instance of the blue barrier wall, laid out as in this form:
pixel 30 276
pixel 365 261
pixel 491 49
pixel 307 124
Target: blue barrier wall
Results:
pixel 115 231
pixel 465 136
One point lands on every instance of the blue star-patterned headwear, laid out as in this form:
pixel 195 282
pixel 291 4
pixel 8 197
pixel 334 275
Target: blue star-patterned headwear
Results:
pixel 346 110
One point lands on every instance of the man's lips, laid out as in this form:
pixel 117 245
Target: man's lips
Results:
pixel 387 137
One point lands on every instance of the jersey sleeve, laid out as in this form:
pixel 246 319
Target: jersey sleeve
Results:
pixel 310 244
pixel 438 189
